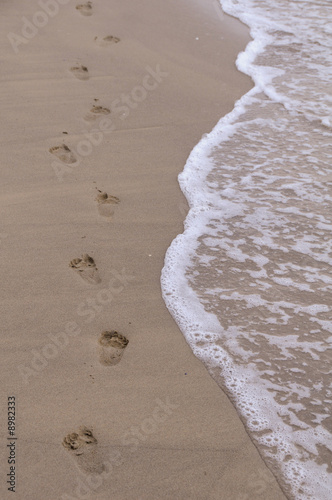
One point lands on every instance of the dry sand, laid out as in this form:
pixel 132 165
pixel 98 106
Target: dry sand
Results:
pixel 153 425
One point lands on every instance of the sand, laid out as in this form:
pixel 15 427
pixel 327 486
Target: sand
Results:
pixel 86 222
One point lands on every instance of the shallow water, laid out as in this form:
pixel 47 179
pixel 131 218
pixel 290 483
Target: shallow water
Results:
pixel 249 281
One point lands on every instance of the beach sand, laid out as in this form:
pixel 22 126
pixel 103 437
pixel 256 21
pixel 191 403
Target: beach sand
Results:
pixel 151 423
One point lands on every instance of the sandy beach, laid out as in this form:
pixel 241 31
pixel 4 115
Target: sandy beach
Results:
pixel 110 97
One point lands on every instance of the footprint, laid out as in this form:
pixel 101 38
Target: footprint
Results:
pixel 95 112
pixel 107 40
pixel 63 153
pixel 112 347
pixel 86 268
pixel 81 72
pixel 106 203
pixel 85 8
pixel 83 446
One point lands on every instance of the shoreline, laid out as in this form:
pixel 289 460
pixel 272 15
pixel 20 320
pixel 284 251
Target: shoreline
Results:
pixel 161 422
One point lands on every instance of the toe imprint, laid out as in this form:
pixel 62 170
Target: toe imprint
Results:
pixel 71 441
pixel 86 435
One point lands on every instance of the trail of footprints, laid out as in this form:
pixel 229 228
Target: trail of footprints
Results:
pixel 82 444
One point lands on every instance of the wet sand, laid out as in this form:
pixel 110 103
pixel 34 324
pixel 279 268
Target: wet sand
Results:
pixel 101 107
